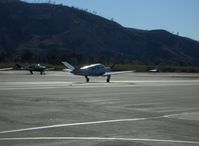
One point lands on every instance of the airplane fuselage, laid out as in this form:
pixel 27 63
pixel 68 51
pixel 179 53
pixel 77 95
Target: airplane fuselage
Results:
pixel 35 67
pixel 91 70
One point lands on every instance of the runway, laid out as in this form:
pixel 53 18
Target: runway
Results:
pixel 141 109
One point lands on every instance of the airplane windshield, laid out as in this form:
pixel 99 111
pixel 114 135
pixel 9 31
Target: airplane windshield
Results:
pixel 96 66
pixel 100 66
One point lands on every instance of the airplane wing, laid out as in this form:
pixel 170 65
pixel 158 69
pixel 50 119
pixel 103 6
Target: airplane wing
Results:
pixel 6 69
pixel 48 69
pixel 66 70
pixel 117 72
pixel 153 70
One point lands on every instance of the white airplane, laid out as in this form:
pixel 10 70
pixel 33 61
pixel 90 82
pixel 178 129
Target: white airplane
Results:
pixel 156 69
pixel 93 70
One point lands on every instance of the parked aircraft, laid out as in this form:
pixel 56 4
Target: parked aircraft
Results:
pixel 33 67
pixel 156 69
pixel 93 70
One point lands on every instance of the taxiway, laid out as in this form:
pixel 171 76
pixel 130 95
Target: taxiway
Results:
pixel 141 109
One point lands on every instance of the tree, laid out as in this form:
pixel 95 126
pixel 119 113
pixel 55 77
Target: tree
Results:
pixel 26 55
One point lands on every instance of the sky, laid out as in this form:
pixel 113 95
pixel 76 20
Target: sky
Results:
pixel 175 16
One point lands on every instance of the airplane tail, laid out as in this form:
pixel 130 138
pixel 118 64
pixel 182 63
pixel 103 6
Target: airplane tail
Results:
pixel 69 66
pixel 18 66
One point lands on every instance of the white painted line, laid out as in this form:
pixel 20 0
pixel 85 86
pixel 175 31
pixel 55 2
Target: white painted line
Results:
pixel 156 81
pixel 82 123
pixel 36 83
pixel 74 124
pixel 31 88
pixel 113 84
pixel 100 138
pixel 95 86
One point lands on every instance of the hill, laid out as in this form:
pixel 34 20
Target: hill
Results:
pixel 51 33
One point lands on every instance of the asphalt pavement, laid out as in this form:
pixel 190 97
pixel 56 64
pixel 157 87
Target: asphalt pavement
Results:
pixel 135 109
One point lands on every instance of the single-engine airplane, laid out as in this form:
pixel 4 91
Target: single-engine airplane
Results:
pixel 92 70
pixel 33 67
pixel 156 69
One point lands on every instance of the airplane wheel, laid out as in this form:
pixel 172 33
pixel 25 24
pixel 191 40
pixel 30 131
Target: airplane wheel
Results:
pixel 108 79
pixel 87 79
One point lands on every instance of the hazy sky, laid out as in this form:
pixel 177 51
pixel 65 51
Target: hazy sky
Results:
pixel 172 15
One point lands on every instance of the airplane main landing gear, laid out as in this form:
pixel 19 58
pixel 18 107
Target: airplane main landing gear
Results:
pixel 108 79
pixel 87 79
pixel 42 73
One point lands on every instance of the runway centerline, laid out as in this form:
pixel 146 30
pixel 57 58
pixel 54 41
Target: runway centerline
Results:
pixel 74 124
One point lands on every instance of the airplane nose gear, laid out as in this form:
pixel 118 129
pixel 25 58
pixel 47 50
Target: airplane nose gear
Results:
pixel 108 79
pixel 87 79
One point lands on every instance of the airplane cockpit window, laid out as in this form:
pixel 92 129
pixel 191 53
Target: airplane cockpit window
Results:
pixel 99 66
pixel 31 66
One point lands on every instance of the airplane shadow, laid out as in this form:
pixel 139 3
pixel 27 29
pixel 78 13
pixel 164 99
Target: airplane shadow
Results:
pixel 97 83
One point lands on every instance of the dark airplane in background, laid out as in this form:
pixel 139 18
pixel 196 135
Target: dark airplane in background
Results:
pixel 93 70
pixel 33 67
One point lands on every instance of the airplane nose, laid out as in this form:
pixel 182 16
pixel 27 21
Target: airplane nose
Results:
pixel 108 68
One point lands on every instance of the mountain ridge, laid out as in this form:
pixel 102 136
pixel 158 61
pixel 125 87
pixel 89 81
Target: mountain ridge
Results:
pixel 51 33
